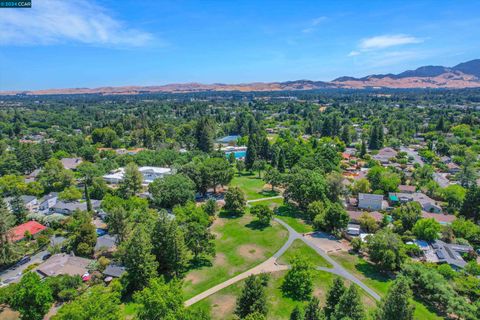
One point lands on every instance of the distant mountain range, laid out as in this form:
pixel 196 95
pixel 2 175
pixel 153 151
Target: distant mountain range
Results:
pixel 463 75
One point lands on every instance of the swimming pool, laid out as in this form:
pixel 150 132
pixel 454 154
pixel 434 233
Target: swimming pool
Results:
pixel 238 154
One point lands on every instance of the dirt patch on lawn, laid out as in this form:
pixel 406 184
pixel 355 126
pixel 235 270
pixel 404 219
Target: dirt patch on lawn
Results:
pixel 220 260
pixel 251 251
pixel 193 278
pixel 223 305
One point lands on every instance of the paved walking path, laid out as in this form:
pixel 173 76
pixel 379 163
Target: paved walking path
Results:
pixel 271 265
pixel 263 199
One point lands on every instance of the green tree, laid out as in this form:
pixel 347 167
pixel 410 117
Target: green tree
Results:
pixel 131 183
pixel 333 297
pixel 54 177
pixel 118 223
pixel 263 213
pixel 273 177
pixel 83 234
pixel 97 303
pixel 398 302
pixel 471 204
pixel 18 208
pixel 427 229
pixel 298 283
pixel 235 201
pixel 305 187
pixel 176 189
pixel 297 313
pixel 204 134
pixel 334 219
pixel 216 171
pixel 7 248
pixel 160 301
pixel 169 246
pixel 70 194
pixel 252 299
pixel 361 186
pixel 408 214
pixel 387 250
pixel 138 260
pixel 454 195
pixel 32 297
pixel 313 310
pixel 210 207
pixel 350 305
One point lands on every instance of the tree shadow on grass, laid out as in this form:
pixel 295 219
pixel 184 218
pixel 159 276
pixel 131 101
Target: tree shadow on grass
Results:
pixel 268 193
pixel 200 262
pixel 228 215
pixel 370 271
pixel 256 225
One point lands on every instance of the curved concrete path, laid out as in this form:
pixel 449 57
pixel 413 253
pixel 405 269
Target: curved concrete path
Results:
pixel 271 265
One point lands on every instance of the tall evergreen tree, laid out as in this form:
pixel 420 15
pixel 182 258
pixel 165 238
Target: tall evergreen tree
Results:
pixel 397 305
pixel 7 221
pixel 205 133
pixel 132 181
pixel 169 246
pixel 252 153
pixel 313 310
pixel 350 305
pixel 252 299
pixel 297 313
pixel 139 260
pixel 333 297
pixel 281 166
pixel 471 204
pixel 18 208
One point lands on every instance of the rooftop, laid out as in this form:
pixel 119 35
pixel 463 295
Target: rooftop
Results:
pixel 18 233
pixel 64 264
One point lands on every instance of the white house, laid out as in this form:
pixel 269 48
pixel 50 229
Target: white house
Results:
pixel 370 201
pixel 149 174
pixel 48 202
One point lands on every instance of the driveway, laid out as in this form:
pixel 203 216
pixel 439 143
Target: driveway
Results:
pixel 413 154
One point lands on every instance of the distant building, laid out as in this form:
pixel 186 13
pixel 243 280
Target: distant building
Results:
pixel 114 271
pixel 370 201
pixel 30 202
pixel 384 155
pixel 149 174
pixel 453 168
pixel 71 163
pixel 228 140
pixel 427 203
pixel 441 252
pixel 32 227
pixel 406 189
pixel 69 207
pixel 47 202
pixel 355 215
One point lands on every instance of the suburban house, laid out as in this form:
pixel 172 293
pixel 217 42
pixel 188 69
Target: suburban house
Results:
pixel 68 207
pixel 228 140
pixel 32 176
pixel 427 203
pixel 443 219
pixel 71 163
pixel 106 242
pixel 406 189
pixel 32 227
pixel 149 174
pixel 384 155
pixel 453 168
pixel 47 202
pixel 355 215
pixel 114 271
pixel 370 201
pixel 64 264
pixel 442 252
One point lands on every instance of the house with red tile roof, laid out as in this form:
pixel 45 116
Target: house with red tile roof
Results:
pixel 33 227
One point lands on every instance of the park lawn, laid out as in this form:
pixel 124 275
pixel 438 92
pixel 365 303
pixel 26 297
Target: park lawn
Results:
pixel 371 277
pixel 299 247
pixel 293 217
pixel 221 305
pixel 272 203
pixel 252 186
pixel 241 244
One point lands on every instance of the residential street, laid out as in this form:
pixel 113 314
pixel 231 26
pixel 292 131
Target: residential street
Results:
pixel 16 272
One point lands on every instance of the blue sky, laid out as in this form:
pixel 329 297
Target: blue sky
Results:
pixel 92 43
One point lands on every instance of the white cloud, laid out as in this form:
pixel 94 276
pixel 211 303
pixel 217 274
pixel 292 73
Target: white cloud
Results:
pixel 385 41
pixel 314 23
pixel 59 21
pixel 353 53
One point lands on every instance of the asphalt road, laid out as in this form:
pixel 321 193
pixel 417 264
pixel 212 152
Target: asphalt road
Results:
pixel 413 154
pixel 14 274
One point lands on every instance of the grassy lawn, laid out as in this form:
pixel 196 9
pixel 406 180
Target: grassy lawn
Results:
pixel 299 247
pixel 240 245
pixel 252 186
pixel 375 280
pixel 222 304
pixel 293 217
pixel 272 203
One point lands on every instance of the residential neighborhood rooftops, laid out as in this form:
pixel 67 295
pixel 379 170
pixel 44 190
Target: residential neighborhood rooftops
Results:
pixel 113 270
pixel 355 215
pixel 407 189
pixel 71 163
pixel 64 264
pixel 33 227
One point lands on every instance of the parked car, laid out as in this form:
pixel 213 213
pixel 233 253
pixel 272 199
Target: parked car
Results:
pixel 46 256
pixel 24 260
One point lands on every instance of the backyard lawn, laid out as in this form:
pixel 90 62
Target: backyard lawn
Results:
pixel 299 247
pixel 252 186
pixel 222 304
pixel 375 280
pixel 240 245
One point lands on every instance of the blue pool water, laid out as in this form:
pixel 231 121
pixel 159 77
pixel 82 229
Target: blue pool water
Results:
pixel 238 154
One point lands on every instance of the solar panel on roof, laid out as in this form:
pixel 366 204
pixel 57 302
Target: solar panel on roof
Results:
pixel 440 254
